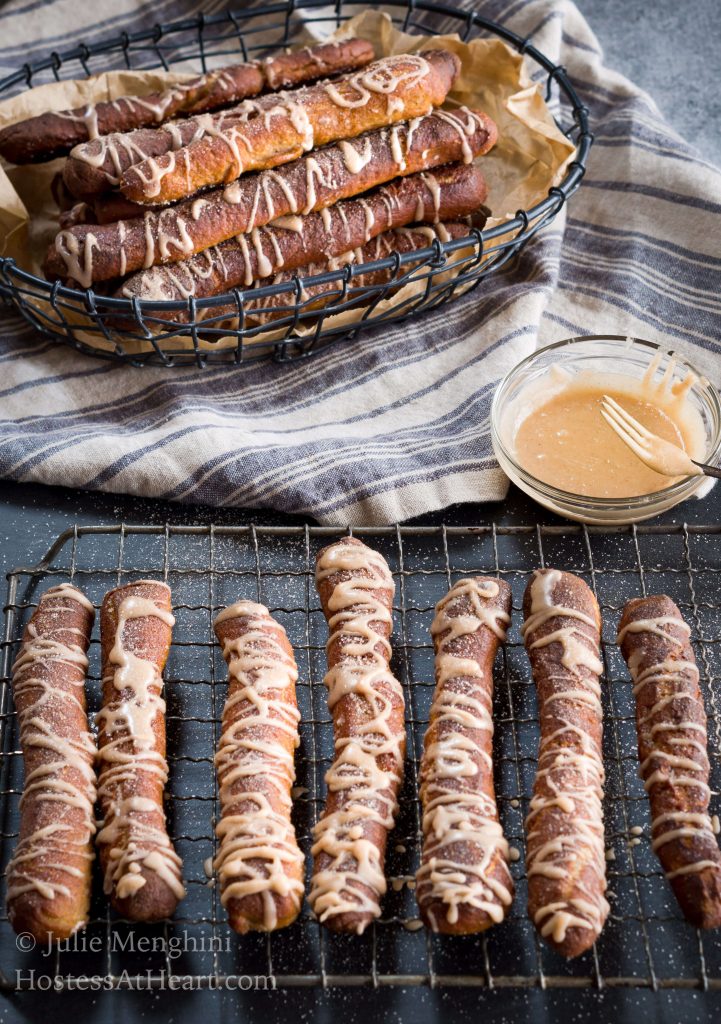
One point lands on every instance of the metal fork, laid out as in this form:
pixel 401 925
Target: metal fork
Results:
pixel 660 455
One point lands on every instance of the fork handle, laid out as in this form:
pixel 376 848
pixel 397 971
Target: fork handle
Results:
pixel 708 470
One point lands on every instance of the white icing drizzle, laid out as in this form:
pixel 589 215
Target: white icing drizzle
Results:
pixel 48 687
pixel 355 161
pixel 465 122
pixel 570 776
pixel 255 770
pixel 433 186
pixel 463 841
pixel 655 626
pixel 134 827
pixel 671 724
pixel 384 77
pixel 368 765
pixel 77 256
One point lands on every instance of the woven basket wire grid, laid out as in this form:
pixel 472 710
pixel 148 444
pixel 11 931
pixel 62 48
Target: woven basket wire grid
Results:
pixel 147 332
pixel 645 943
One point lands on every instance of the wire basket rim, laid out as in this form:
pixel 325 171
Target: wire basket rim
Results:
pixel 556 196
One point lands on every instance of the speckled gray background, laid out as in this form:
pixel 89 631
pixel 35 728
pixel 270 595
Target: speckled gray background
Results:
pixel 671 48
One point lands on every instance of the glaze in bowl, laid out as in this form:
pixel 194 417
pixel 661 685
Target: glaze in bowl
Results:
pixel 603 354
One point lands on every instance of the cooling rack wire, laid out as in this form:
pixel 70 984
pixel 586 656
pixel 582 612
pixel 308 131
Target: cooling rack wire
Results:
pixel 645 943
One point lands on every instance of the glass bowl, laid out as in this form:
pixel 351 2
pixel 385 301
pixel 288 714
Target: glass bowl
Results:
pixel 602 354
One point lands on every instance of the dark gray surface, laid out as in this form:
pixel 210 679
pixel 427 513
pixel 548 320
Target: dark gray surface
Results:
pixel 671 49
pixel 31 515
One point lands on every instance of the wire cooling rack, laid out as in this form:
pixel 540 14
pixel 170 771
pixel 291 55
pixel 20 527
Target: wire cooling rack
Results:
pixel 645 943
pixel 196 331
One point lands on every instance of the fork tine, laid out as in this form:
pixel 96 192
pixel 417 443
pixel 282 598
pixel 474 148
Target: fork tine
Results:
pixel 623 425
pixel 626 437
pixel 628 419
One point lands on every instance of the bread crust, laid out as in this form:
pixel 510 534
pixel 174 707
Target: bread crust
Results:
pixel 565 853
pixel 464 883
pixel 366 702
pixel 49 874
pixel 672 740
pixel 141 870
pixel 259 864
pixel 111 207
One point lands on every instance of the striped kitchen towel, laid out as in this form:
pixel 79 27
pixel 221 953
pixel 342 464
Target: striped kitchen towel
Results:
pixel 396 424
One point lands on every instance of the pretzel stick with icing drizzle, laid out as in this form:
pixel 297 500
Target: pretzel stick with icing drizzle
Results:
pixel 565 856
pixel 464 883
pixel 94 170
pixel 672 748
pixel 48 877
pixel 292 242
pixel 141 870
pixel 259 864
pixel 55 133
pixel 97 166
pixel 389 90
pixel 100 253
pixel 401 240
pixel 366 701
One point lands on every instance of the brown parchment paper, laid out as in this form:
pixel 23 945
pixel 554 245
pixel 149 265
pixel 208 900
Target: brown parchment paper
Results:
pixel 530 157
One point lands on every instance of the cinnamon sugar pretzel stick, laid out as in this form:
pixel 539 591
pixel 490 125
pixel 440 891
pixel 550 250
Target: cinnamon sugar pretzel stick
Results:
pixel 401 240
pixel 48 877
pixel 96 167
pixel 389 90
pixel 259 864
pixel 55 133
pixel 286 70
pixel 292 242
pixel 565 856
pixel 366 701
pixel 464 883
pixel 112 207
pixel 141 870
pixel 312 183
pixel 672 747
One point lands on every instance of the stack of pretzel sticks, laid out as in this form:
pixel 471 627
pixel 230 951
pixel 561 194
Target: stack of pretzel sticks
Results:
pixel 310 177
pixel 55 133
pixel 464 883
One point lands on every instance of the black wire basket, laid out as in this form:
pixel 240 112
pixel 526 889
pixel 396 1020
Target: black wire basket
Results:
pixel 188 331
